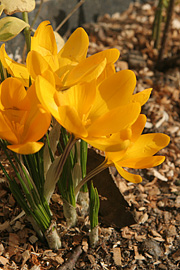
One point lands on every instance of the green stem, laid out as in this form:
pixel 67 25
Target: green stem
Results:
pixel 94 172
pixel 64 155
pixel 27 32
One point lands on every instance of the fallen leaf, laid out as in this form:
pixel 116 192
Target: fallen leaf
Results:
pixel 117 256
pixel 11 7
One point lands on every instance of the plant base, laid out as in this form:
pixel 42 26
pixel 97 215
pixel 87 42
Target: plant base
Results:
pixel 70 214
pixel 52 236
pixel 83 201
pixel 93 237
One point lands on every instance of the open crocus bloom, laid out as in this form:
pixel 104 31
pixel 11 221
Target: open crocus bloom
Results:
pixel 70 65
pixel 23 120
pixel 140 152
pixel 93 112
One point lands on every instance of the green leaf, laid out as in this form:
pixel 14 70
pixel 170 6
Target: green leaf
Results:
pixel 10 27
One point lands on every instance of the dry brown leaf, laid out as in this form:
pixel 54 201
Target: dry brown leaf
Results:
pixel 4 226
pixel 25 256
pixel 13 244
pixel 3 260
pixel 137 255
pixel 85 245
pixel 143 218
pixel 117 256
pixel 11 7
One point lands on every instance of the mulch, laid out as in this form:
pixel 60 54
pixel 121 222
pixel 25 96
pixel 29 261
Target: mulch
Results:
pixel 152 207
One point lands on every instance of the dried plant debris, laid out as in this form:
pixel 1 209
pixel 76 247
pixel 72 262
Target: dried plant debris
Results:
pixel 151 207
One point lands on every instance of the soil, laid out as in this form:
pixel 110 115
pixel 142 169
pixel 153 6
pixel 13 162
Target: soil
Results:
pixel 142 231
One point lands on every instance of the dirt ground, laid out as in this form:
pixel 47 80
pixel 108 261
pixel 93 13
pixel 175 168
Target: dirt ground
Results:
pixel 153 241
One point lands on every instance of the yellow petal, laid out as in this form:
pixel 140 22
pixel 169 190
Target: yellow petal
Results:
pixel 128 176
pixel 115 91
pixel 81 97
pixel 36 64
pixel 111 56
pixel 45 93
pixel 147 145
pixel 142 163
pixel 114 120
pixel 36 124
pixel 69 119
pixel 15 69
pixel 107 145
pixel 27 148
pixel 13 94
pixel 5 130
pixel 85 71
pixel 76 47
pixel 142 97
pixel 107 72
pixel 137 127
pixel 44 39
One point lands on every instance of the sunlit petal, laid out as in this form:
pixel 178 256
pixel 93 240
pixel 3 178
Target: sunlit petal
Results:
pixel 37 124
pixel 81 97
pixel 85 71
pixel 15 69
pixel 115 120
pixel 69 119
pixel 40 43
pixel 107 145
pixel 142 97
pixel 147 145
pixel 115 91
pixel 45 92
pixel 26 149
pixel 13 94
pixel 5 130
pixel 137 127
pixel 142 163
pixel 128 176
pixel 76 46
pixel 36 64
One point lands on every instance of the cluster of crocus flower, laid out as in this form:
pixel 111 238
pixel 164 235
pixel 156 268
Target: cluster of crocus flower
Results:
pixel 84 94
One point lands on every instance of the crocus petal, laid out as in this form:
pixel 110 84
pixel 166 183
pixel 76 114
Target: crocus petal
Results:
pixel 27 148
pixel 81 97
pixel 137 127
pixel 142 97
pixel 92 67
pixel 69 119
pixel 128 176
pixel 45 92
pixel 5 130
pixel 15 69
pixel 113 92
pixel 37 124
pixel 115 120
pixel 76 47
pixel 147 145
pixel 85 71
pixel 106 145
pixel 142 163
pixel 36 64
pixel 13 94
pixel 44 39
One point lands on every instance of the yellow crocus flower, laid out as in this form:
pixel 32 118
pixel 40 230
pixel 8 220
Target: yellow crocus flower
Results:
pixel 140 152
pixel 94 111
pixel 70 65
pixel 23 120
